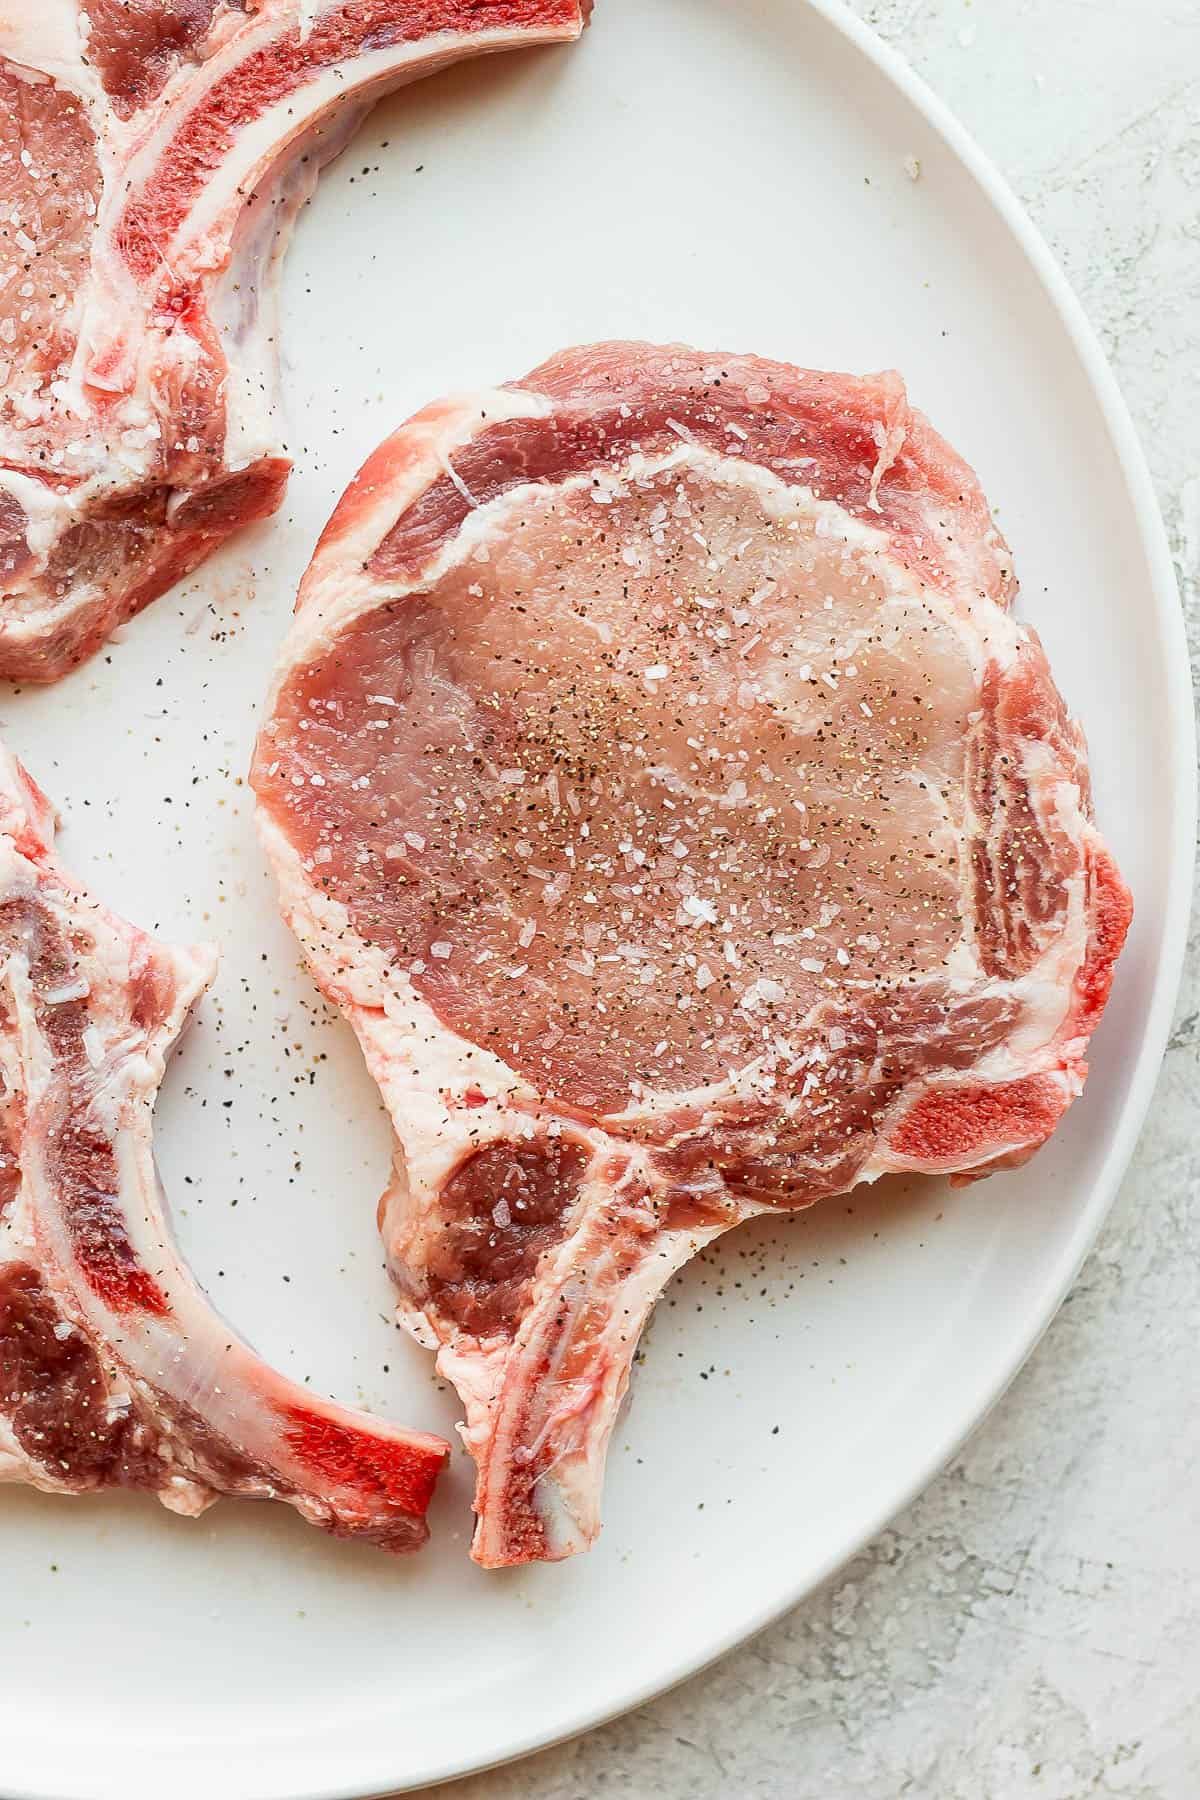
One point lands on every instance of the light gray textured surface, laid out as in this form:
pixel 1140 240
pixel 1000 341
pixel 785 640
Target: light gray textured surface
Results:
pixel 1031 1627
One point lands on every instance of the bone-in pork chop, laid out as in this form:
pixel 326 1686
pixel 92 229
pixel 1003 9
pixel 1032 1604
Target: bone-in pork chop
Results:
pixel 153 155
pixel 114 1369
pixel 657 779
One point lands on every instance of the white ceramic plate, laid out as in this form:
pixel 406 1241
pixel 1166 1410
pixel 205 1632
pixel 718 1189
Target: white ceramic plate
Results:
pixel 735 176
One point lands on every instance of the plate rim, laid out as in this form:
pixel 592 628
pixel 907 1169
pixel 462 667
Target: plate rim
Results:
pixel 1169 960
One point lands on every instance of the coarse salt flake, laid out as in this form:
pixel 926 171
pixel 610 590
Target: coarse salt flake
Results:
pixel 700 909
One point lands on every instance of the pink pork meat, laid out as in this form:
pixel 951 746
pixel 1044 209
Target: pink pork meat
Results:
pixel 656 777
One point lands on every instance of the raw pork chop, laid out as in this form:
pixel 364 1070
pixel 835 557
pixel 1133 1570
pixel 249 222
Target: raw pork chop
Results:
pixel 114 1369
pixel 656 778
pixel 153 154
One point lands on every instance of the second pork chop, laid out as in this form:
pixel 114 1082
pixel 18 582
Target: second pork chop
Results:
pixel 153 156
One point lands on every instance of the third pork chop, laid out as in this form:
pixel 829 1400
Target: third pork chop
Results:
pixel 656 777
pixel 115 1369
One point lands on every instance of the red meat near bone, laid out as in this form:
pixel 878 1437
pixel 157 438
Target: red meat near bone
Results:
pixel 656 777
pixel 115 1371
pixel 153 157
